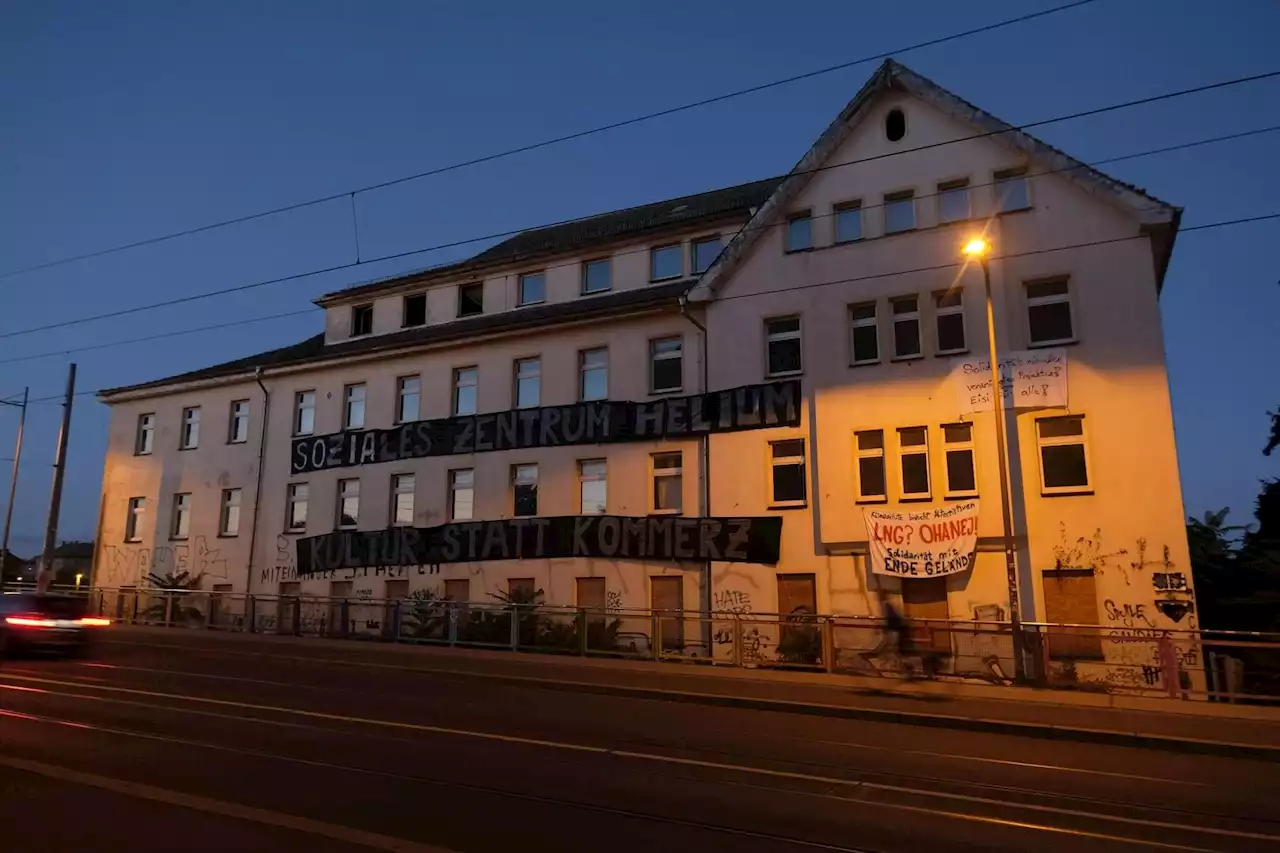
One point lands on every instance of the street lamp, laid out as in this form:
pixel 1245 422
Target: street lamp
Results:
pixel 978 249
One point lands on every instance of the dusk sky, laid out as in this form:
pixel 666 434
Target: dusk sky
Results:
pixel 123 121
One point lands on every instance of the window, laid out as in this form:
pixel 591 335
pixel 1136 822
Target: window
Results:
pixel 782 342
pixel 524 487
pixel 462 494
pixel 229 517
pixel 528 383
pixel 408 396
pixel 799 232
pixel 533 288
pixel 593 486
pixel 471 299
pixel 353 406
pixel 297 516
pixel 906 327
pixel 146 439
pixel 1071 598
pixel 597 276
pixel 522 590
pixel 895 125
pixel 464 390
pixel 925 600
pixel 238 430
pixel 666 365
pixel 957 442
pixel 705 252
pixel 666 262
pixel 593 371
pixel 948 313
pixel 348 503
pixel 402 488
pixel 180 526
pixel 1049 319
pixel 871 472
pixel 1064 462
pixel 668 482
pixel 361 320
pixel 415 310
pixel 786 461
pixel 848 221
pixel 899 212
pixel 865 335
pixel 304 413
pixel 133 521
pixel 913 457
pixel 590 595
pixel 190 438
pixel 1012 192
pixel 953 201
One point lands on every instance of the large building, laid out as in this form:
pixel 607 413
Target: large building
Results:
pixel 836 298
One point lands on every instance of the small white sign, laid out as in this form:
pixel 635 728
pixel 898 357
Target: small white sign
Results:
pixel 1029 379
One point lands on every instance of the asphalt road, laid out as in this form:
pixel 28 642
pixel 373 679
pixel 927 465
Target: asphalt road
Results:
pixel 205 744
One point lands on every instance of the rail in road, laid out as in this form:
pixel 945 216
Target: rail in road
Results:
pixel 324 753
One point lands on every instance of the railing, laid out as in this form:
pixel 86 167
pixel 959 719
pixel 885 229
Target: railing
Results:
pixel 1223 666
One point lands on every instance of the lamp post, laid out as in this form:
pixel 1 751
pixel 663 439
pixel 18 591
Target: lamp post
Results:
pixel 978 249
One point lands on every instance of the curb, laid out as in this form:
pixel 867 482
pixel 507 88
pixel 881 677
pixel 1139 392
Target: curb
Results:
pixel 1040 731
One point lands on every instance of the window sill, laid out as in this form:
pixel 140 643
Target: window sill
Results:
pixel 228 535
pixel 666 278
pixel 847 242
pixel 960 496
pixel 871 501
pixel 1015 210
pixel 664 392
pixel 787 506
pixel 241 441
pixel 800 251
pixel 415 325
pixel 531 303
pixel 889 233
pixel 148 453
pixel 915 499
pixel 950 352
pixel 784 375
pixel 179 538
pixel 1065 342
pixel 470 314
pixel 132 541
pixel 665 512
pixel 867 363
pixel 596 292
pixel 183 449
pixel 1066 493
pixel 901 358
pixel 294 531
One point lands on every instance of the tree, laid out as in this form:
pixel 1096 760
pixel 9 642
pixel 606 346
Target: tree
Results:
pixel 172 602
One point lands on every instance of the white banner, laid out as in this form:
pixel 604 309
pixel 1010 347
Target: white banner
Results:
pixel 923 543
pixel 1030 379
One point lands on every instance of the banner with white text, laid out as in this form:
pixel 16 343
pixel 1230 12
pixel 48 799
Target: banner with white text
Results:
pixel 923 543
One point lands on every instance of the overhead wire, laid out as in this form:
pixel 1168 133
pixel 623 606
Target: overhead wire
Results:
pixel 456 243
pixel 547 143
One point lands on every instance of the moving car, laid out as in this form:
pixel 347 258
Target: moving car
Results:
pixel 46 622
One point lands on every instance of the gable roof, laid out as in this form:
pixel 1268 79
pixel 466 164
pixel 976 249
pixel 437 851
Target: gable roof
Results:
pixel 1158 218
pixel 578 234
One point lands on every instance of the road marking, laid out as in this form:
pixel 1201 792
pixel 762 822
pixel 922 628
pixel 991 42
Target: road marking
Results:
pixel 626 812
pixel 643 756
pixel 659 692
pixel 223 808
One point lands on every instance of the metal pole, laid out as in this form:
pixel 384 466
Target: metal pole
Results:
pixel 55 498
pixel 13 486
pixel 1006 510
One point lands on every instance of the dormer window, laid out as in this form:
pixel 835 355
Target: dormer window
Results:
pixel 361 320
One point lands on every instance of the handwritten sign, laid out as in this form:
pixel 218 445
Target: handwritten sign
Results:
pixel 1029 379
pixel 923 543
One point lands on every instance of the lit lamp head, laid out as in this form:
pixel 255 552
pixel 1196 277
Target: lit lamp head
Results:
pixel 976 249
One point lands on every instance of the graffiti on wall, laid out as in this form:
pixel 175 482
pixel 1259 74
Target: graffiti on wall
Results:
pixel 124 565
pixel 733 601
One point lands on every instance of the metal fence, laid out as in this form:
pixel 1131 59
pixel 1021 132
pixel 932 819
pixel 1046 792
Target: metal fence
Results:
pixel 1225 666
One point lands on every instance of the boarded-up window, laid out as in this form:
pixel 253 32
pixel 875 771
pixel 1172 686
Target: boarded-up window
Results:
pixel 591 594
pixel 797 595
pixel 397 589
pixel 926 598
pixel 668 594
pixel 291 588
pixel 521 590
pixel 459 590
pixel 798 603
pixel 1071 598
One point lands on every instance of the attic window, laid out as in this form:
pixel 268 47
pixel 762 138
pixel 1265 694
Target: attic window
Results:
pixel 415 310
pixel 361 320
pixel 895 125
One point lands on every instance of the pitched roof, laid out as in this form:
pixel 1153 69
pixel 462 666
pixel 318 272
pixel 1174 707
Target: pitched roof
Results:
pixel 587 232
pixel 1159 218
pixel 314 349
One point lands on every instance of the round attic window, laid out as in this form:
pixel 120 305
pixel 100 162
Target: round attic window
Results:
pixel 895 125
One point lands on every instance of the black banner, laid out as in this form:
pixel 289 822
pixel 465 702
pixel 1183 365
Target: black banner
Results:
pixel 659 538
pixel 776 404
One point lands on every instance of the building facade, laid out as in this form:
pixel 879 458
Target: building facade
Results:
pixel 845 280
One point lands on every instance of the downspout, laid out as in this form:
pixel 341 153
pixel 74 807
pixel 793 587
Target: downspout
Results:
pixel 704 499
pixel 257 489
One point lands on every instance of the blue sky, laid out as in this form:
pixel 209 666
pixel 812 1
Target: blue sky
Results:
pixel 123 121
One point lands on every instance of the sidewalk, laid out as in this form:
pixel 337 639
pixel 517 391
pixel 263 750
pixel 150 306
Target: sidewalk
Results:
pixel 1179 725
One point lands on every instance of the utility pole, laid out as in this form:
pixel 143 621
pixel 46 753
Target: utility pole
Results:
pixel 45 577
pixel 13 481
